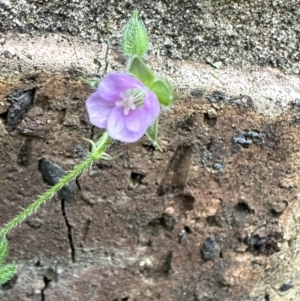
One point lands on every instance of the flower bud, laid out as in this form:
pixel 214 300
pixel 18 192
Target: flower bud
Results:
pixel 134 37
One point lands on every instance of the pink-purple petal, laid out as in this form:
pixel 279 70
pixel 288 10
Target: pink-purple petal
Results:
pixel 144 116
pixel 98 110
pixel 116 127
pixel 152 107
pixel 113 84
pixel 135 120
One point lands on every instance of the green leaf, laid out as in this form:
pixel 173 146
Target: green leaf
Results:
pixel 7 272
pixel 134 37
pixel 152 134
pixel 93 83
pixel 163 91
pixel 141 71
pixel 3 249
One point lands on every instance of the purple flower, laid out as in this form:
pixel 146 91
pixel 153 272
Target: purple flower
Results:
pixel 124 106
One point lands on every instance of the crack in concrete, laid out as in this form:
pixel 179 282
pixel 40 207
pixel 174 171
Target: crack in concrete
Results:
pixel 70 230
pixel 46 281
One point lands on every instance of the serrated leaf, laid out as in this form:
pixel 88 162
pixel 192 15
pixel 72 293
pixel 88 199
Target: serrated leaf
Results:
pixel 3 249
pixel 134 37
pixel 141 71
pixel 163 91
pixel 152 134
pixel 7 272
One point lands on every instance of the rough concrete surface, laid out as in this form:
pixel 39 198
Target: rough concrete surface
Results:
pixel 236 32
pixel 215 216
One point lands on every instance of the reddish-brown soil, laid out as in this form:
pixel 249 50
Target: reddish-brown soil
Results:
pixel 227 175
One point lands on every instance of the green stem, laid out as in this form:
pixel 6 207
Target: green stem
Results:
pixel 152 134
pixel 97 152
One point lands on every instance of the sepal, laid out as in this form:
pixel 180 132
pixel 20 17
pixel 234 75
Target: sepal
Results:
pixel 152 134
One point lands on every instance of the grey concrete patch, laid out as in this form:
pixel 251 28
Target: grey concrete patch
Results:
pixel 270 90
pixel 239 33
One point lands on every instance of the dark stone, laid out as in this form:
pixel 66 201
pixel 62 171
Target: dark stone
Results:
pixel 197 93
pixel 21 103
pixel 52 173
pixel 253 134
pixel 243 101
pixel 216 96
pixel 286 286
pixel 246 138
pixel 266 245
pixel 217 166
pixel 79 151
pixel 242 140
pixel 210 249
pixel 34 222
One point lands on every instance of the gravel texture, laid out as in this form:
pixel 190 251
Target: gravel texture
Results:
pixel 238 33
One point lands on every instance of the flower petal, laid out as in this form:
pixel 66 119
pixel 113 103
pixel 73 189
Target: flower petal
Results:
pixel 143 117
pixel 135 120
pixel 151 107
pixel 116 127
pixel 98 110
pixel 113 84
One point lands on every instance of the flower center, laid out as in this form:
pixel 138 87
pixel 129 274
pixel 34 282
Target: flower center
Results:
pixel 131 99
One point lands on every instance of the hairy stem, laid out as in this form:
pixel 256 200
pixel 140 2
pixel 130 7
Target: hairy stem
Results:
pixel 97 152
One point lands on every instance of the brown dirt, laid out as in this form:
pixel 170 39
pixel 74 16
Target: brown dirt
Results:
pixel 139 222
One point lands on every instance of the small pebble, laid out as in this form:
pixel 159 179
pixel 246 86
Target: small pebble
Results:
pixel 182 236
pixel 212 113
pixel 278 208
pixel 241 139
pixel 210 249
pixel 217 166
pixel 34 222
pixel 286 286
pixel 253 134
pixel 168 217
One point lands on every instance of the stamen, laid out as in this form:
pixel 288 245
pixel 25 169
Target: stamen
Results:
pixel 131 99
